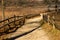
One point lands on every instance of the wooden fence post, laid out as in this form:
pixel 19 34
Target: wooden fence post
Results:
pixel 53 22
pixel 22 21
pixel 14 20
pixel 19 21
pixel 8 22
pixel 48 19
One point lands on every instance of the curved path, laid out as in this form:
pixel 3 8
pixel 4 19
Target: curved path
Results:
pixel 41 33
pixel 38 34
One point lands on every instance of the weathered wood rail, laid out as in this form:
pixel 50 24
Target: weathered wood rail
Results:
pixel 11 26
pixel 13 23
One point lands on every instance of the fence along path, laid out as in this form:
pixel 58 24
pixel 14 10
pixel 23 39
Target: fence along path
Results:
pixel 10 24
pixel 13 23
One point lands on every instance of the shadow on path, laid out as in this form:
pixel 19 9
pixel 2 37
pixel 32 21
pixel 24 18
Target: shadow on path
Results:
pixel 13 38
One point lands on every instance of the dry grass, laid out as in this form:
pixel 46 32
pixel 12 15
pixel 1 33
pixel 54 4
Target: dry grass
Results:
pixel 53 34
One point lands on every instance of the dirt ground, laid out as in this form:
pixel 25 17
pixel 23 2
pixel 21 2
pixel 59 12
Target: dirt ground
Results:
pixel 38 34
pixel 45 32
pixel 10 11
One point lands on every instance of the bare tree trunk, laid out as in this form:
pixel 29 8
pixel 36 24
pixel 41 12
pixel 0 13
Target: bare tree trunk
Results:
pixel 3 14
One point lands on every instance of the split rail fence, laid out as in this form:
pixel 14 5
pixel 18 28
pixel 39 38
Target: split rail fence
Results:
pixel 11 24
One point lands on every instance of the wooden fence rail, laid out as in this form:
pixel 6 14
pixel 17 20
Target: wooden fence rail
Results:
pixel 13 23
pixel 5 29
